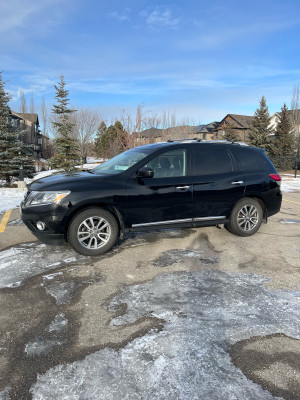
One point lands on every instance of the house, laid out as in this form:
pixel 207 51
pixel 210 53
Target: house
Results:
pixel 240 124
pixel 294 119
pixel 153 135
pixel 29 122
pixel 208 131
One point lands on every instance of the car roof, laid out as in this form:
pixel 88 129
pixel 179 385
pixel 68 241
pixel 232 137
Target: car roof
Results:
pixel 176 142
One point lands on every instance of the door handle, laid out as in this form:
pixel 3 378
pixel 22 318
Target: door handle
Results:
pixel 182 187
pixel 237 182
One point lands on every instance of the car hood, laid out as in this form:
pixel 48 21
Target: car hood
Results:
pixel 65 181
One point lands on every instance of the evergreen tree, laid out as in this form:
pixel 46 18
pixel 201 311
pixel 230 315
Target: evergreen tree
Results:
pixel 230 134
pixel 101 144
pixel 111 141
pixel 260 131
pixel 284 142
pixel 66 146
pixel 14 154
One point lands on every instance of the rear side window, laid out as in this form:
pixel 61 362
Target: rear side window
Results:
pixel 210 160
pixel 250 159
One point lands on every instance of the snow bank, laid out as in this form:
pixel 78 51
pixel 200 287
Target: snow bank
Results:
pixel 290 184
pixel 10 198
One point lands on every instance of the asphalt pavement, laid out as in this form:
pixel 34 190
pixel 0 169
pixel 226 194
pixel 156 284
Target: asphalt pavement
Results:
pixel 177 314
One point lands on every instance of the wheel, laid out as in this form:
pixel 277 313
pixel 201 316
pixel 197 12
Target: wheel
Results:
pixel 93 231
pixel 246 217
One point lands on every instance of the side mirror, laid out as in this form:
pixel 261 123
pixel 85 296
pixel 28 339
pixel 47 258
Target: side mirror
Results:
pixel 145 172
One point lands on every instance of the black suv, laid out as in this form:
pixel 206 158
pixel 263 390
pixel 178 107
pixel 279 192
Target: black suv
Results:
pixel 174 184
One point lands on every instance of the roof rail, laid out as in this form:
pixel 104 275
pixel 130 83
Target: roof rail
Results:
pixel 196 140
pixel 184 140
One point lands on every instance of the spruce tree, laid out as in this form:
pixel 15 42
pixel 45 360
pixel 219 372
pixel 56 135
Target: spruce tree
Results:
pixel 14 154
pixel 284 142
pixel 111 141
pixel 260 131
pixel 230 134
pixel 101 143
pixel 66 145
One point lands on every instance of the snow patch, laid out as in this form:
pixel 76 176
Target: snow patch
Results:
pixel 204 312
pixel 10 198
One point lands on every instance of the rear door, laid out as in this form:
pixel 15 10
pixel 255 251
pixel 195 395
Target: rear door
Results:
pixel 167 198
pixel 217 185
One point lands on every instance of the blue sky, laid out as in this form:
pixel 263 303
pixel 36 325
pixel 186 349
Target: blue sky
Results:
pixel 201 59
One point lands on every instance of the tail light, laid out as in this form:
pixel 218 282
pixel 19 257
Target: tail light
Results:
pixel 276 178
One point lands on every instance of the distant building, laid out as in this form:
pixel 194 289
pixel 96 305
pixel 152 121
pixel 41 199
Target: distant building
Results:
pixel 294 119
pixel 29 123
pixel 240 124
pixel 208 131
pixel 153 135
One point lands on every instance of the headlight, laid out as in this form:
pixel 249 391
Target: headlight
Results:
pixel 39 198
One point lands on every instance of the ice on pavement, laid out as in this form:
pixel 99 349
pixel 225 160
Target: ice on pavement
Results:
pixel 205 312
pixel 53 336
pixel 26 260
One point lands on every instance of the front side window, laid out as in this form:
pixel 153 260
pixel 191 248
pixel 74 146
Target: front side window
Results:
pixel 169 164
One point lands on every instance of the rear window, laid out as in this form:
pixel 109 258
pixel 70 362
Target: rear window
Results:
pixel 210 160
pixel 251 159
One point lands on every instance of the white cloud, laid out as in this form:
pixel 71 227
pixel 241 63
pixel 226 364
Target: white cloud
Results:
pixel 160 17
pixel 120 16
pixel 235 34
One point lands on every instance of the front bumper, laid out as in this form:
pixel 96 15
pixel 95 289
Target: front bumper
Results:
pixel 53 233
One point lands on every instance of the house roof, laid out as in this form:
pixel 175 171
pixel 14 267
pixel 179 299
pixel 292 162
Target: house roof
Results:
pixel 31 117
pixel 209 127
pixel 239 121
pixel 176 130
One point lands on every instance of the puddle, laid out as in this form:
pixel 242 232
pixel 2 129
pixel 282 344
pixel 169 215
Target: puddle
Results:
pixel 133 239
pixel 174 256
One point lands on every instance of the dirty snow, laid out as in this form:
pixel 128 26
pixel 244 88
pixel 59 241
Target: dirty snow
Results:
pixel 204 312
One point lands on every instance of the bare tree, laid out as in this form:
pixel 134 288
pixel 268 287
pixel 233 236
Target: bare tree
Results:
pixel 23 106
pixel 86 122
pixel 152 121
pixel 44 117
pixel 296 123
pixel 31 104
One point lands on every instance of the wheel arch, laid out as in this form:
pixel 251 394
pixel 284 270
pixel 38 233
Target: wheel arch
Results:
pixel 110 208
pixel 262 203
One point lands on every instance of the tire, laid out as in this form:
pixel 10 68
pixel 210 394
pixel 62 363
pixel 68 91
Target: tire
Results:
pixel 93 231
pixel 246 217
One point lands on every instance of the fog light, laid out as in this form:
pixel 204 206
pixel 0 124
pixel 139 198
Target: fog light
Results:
pixel 40 225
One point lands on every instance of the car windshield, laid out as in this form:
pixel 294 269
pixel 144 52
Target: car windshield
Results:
pixel 122 162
